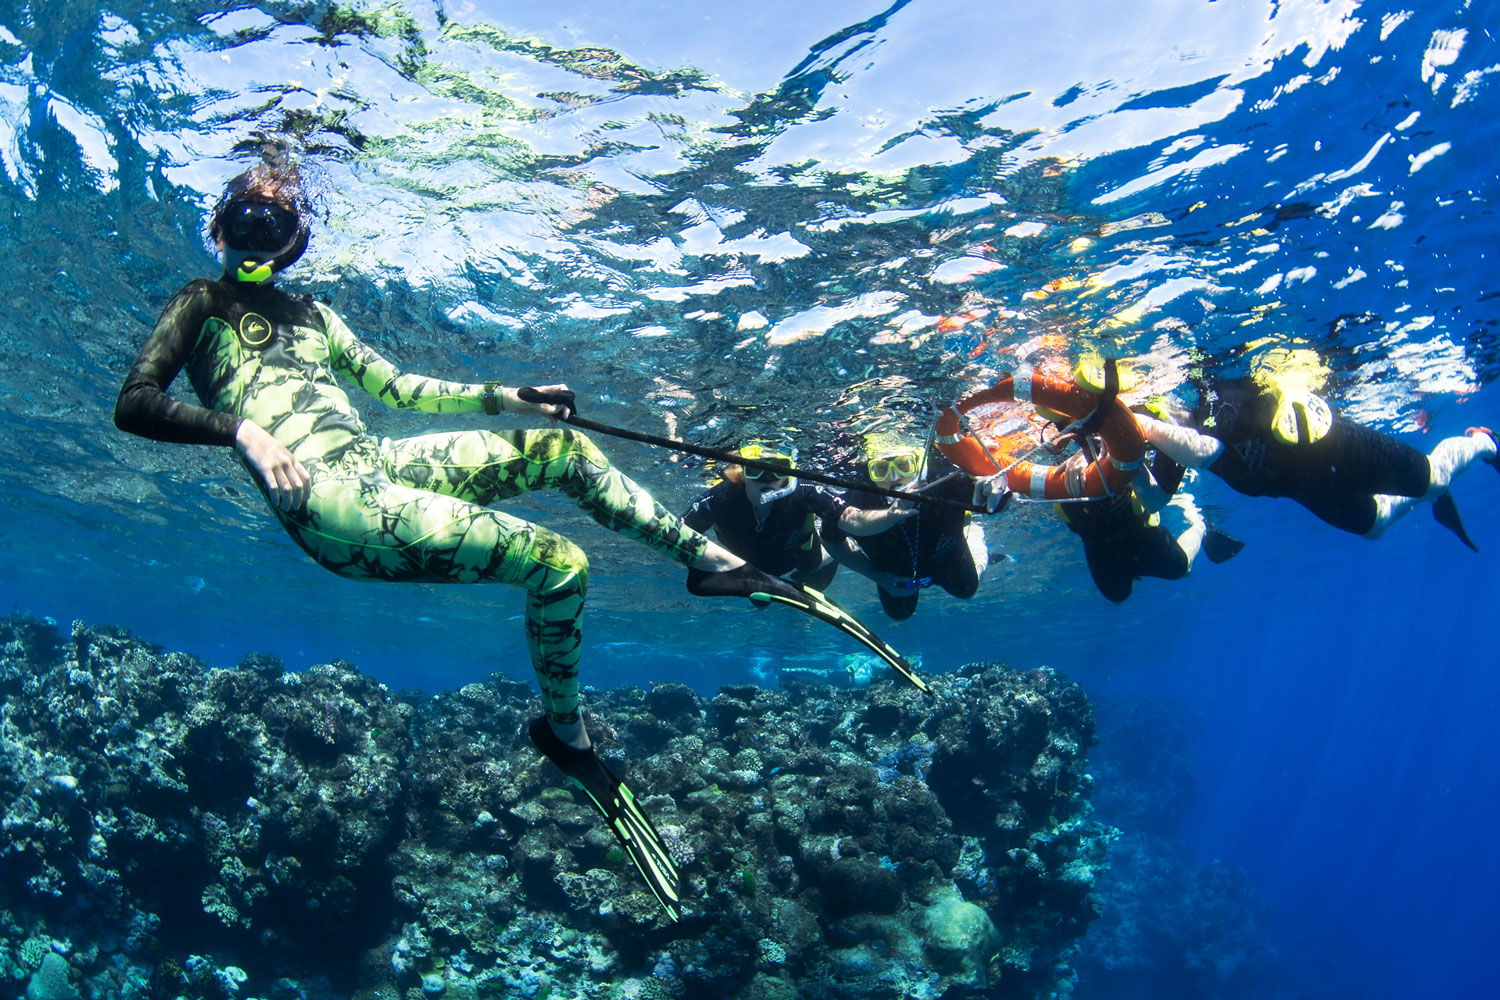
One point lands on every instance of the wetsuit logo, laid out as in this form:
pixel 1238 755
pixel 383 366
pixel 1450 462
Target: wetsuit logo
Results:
pixel 255 330
pixel 1252 452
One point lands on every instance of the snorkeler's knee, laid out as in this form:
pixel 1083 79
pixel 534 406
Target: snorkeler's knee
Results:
pixel 581 448
pixel 566 565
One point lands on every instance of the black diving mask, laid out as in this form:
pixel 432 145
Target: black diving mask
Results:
pixel 258 227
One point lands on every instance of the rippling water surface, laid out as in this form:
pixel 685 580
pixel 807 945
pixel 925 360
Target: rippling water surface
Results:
pixel 824 219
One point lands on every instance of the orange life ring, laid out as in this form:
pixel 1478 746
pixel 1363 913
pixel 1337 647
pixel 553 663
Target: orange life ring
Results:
pixel 1123 445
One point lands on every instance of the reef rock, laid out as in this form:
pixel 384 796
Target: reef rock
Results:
pixel 256 832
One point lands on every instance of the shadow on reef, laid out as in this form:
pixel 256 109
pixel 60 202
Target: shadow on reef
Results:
pixel 178 831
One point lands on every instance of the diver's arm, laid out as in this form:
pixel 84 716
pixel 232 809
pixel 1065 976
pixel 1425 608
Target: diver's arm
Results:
pixel 144 408
pixel 364 366
pixel 1183 445
pixel 872 522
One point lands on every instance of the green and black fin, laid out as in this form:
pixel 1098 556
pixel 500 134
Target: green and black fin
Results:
pixel 1446 513
pixel 1220 546
pixel 624 816
pixel 763 589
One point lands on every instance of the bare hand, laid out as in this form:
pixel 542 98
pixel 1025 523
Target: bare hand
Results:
pixel 286 480
pixel 1075 473
pixel 899 511
pixel 991 493
pixel 515 404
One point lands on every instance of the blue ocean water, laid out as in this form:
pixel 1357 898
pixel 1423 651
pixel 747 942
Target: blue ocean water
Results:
pixel 712 221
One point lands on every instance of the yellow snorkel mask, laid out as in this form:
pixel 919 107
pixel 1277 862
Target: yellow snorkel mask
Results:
pixel 773 454
pixel 890 457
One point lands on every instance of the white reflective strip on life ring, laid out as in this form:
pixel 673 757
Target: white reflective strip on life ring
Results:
pixel 948 438
pixel 1124 466
pixel 1038 480
pixel 1021 383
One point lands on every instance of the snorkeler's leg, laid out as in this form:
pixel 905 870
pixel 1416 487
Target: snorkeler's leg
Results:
pixel 1450 459
pixel 364 526
pixel 486 466
pixel 1183 518
pixel 569 461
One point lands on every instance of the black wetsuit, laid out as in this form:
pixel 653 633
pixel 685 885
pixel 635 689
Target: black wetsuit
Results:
pixel 925 549
pixel 1335 477
pixel 1121 545
pixel 787 538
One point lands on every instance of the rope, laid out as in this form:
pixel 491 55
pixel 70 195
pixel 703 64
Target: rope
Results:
pixel 780 468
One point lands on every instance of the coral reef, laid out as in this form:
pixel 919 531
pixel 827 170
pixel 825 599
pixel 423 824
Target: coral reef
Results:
pixel 176 831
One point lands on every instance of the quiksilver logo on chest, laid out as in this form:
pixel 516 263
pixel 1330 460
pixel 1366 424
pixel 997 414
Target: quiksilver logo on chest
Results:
pixel 255 330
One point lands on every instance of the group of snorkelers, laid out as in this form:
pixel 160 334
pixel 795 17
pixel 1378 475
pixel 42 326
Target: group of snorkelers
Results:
pixel 1262 435
pixel 265 366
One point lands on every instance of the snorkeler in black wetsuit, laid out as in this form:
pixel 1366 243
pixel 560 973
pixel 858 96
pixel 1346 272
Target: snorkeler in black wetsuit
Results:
pixel 771 520
pixel 934 545
pixel 1125 538
pixel 780 537
pixel 1274 444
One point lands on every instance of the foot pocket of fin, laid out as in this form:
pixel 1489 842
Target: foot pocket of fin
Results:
pixel 614 800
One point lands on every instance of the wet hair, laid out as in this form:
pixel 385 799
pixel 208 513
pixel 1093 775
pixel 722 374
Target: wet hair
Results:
pixel 276 178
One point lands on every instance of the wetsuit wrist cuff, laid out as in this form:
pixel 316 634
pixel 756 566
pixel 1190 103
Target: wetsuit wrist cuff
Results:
pixel 493 402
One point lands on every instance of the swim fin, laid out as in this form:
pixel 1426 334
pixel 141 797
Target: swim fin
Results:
pixel 1446 513
pixel 616 803
pixel 1220 546
pixel 763 589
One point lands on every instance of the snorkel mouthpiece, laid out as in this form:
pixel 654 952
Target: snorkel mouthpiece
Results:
pixel 253 272
pixel 767 496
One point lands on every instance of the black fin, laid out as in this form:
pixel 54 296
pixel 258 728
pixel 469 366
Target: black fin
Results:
pixel 614 800
pixel 763 589
pixel 1219 546
pixel 1446 513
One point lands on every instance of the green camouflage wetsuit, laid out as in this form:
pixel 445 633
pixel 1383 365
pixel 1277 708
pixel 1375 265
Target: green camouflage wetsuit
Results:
pixel 413 509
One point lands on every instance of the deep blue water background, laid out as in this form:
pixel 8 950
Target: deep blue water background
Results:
pixel 1344 691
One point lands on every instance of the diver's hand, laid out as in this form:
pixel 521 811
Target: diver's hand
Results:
pixel 547 400
pixel 899 510
pixel 287 480
pixel 1075 474
pixel 891 583
pixel 991 493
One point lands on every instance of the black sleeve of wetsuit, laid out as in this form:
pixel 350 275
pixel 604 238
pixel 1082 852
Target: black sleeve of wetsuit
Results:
pixel 1167 473
pixel 144 407
pixel 700 514
pixel 825 503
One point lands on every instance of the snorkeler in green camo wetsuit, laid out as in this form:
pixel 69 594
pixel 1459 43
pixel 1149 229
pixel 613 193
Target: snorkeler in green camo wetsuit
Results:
pixel 264 364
